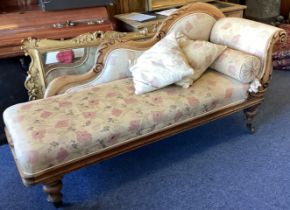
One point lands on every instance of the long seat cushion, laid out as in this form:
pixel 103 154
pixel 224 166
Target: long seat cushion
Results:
pixel 53 131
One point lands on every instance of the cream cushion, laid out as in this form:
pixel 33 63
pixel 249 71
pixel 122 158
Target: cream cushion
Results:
pixel 50 132
pixel 161 65
pixel 244 35
pixel 200 55
pixel 238 65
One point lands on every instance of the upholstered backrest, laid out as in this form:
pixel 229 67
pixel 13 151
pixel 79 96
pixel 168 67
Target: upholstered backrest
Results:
pixel 196 26
pixel 116 66
pixel 195 20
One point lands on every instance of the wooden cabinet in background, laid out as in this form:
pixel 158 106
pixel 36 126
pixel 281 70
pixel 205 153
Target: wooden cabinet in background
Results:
pixel 17 24
pixel 150 26
pixel 14 5
pixel 285 8
pixel 126 6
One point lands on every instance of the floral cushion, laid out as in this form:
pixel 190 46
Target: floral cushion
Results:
pixel 64 128
pixel 161 65
pixel 200 55
pixel 244 35
pixel 238 65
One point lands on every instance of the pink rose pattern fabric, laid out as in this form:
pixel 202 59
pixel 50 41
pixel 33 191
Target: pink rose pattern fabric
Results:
pixel 238 65
pixel 200 55
pixel 67 127
pixel 244 35
pixel 121 59
pixel 196 26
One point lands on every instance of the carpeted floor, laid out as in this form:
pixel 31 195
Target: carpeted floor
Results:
pixel 216 166
pixel 12 90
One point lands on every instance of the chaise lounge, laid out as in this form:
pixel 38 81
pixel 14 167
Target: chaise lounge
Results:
pixel 88 118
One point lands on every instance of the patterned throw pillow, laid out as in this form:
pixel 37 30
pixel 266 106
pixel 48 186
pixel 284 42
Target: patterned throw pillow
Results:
pixel 161 65
pixel 238 65
pixel 200 55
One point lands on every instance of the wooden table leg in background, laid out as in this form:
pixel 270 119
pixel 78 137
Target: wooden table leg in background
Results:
pixel 285 8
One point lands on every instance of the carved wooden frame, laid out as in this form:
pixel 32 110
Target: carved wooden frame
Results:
pixel 36 83
pixel 51 178
pixel 60 84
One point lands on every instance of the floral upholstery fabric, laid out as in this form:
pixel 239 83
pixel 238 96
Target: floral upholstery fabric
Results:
pixel 120 59
pixel 239 65
pixel 64 128
pixel 245 35
pixel 200 55
pixel 196 26
pixel 161 65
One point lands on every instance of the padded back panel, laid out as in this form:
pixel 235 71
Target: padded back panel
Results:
pixel 116 67
pixel 196 26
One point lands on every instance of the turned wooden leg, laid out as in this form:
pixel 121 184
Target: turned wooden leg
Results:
pixel 53 191
pixel 250 114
